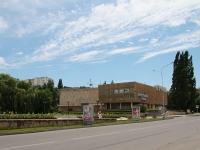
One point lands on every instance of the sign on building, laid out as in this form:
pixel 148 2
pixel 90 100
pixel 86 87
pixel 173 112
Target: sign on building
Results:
pixel 136 113
pixel 88 114
pixel 143 96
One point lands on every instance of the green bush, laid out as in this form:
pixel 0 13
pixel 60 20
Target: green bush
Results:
pixel 142 108
pixel 26 116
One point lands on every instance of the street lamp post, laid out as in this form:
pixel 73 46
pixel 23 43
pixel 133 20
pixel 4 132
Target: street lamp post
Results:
pixel 97 104
pixel 68 107
pixel 44 102
pixel 163 101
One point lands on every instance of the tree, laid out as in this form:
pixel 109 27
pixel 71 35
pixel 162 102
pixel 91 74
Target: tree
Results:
pixel 112 82
pixel 84 87
pixel 19 96
pixel 198 97
pixel 182 94
pixel 60 85
pixel 23 85
pixel 50 85
pixel 170 102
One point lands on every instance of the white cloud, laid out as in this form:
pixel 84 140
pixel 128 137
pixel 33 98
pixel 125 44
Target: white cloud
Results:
pixel 104 25
pixel 153 41
pixel 73 11
pixel 2 61
pixel 171 44
pixel 121 21
pixel 123 51
pixel 3 24
pixel 131 43
pixel 44 66
pixel 88 56
pixel 45 23
pixel 20 53
pixel 197 22
pixel 165 51
pixel 3 64
pixel 98 62
pixel 143 39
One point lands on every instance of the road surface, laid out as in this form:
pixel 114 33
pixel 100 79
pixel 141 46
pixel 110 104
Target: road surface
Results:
pixel 181 133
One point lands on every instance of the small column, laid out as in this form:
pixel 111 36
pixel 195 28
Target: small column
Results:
pixel 110 105
pixel 120 106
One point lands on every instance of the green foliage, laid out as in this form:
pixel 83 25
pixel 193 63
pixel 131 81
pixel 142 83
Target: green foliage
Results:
pixel 112 82
pixel 26 116
pixel 19 96
pixel 50 85
pixel 84 87
pixel 60 84
pixel 23 85
pixel 182 95
pixel 142 108
pixel 198 97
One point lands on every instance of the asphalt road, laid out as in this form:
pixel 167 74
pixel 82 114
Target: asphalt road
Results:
pixel 181 133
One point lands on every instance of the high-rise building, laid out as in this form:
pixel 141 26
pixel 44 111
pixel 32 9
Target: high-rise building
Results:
pixel 39 81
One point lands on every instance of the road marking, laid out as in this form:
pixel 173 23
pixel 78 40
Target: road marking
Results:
pixel 131 130
pixel 16 147
pixel 95 135
pixel 27 145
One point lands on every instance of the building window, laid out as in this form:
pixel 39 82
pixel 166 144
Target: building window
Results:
pixel 126 90
pixel 121 91
pixel 115 91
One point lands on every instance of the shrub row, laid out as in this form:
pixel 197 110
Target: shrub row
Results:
pixel 26 116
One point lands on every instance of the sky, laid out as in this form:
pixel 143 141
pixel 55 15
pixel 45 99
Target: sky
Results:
pixel 101 40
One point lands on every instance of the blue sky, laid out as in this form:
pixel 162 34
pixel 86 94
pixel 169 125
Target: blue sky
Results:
pixel 101 40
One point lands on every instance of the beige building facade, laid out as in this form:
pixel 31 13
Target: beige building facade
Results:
pixel 75 98
pixel 125 95
pixel 113 96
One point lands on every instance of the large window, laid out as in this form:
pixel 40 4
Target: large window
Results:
pixel 126 90
pixel 121 91
pixel 115 91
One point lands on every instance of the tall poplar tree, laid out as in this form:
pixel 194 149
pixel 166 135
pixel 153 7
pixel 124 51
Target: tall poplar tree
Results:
pixel 60 85
pixel 183 90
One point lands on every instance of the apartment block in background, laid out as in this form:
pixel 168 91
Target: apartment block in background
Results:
pixel 39 81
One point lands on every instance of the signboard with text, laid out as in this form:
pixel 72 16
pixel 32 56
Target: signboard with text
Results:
pixel 136 113
pixel 88 114
pixel 143 96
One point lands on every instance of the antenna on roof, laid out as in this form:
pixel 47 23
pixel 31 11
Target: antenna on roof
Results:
pixel 90 84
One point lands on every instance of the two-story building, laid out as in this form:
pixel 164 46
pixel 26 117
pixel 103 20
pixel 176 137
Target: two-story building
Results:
pixel 113 96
